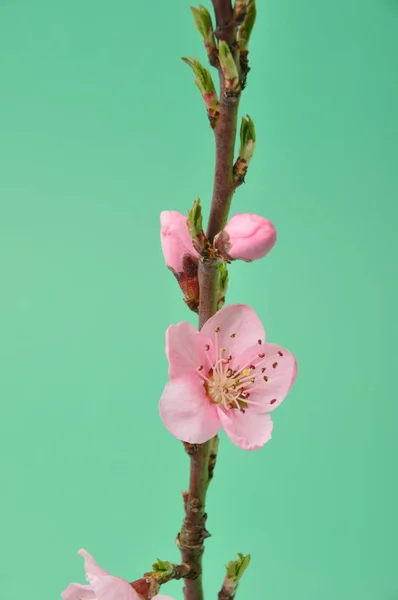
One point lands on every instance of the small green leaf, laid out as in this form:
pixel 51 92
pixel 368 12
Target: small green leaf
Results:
pixel 202 20
pixel 247 139
pixel 195 221
pixel 223 288
pixel 162 567
pixel 236 568
pixel 203 77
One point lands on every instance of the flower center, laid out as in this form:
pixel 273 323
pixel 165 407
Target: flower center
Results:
pixel 227 387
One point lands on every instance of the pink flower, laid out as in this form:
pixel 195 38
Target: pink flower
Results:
pixel 246 237
pixel 224 376
pixel 102 585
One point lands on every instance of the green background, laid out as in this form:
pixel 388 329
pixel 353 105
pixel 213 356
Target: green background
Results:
pixel 101 128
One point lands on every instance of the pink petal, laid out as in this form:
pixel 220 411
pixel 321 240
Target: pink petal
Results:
pixel 249 431
pixel 274 376
pixel 104 585
pixel 76 591
pixel 187 412
pixel 90 565
pixel 239 321
pixel 113 588
pixel 185 349
pixel 175 238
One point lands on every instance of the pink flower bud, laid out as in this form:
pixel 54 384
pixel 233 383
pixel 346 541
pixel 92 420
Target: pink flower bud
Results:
pixel 180 255
pixel 175 239
pixel 246 237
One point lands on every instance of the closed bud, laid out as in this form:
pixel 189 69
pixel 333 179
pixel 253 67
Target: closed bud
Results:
pixel 229 69
pixel 246 150
pixel 207 89
pixel 235 570
pixel 195 228
pixel 204 25
pixel 246 28
pixel 243 38
pixel 246 237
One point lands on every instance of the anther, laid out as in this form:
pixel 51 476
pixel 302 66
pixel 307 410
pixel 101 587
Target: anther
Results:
pixel 274 365
pixel 259 341
pixel 265 378
pixel 232 335
pixel 217 330
pixel 200 368
pixel 273 401
pixel 263 369
pixel 261 355
pixel 280 353
pixel 207 347
pixel 252 379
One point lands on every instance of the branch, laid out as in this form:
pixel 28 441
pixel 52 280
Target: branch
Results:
pixel 203 456
pixel 193 532
pixel 224 19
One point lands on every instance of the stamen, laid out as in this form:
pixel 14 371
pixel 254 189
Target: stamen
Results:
pixel 259 342
pixel 200 368
pixel 273 401
pixel 265 378
pixel 263 369
pixel 261 355
pixel 280 353
pixel 207 347
pixel 217 330
pixel 274 365
pixel 232 335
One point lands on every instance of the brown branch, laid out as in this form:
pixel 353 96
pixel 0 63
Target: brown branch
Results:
pixel 203 456
pixel 225 134
pixel 224 19
pixel 193 532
